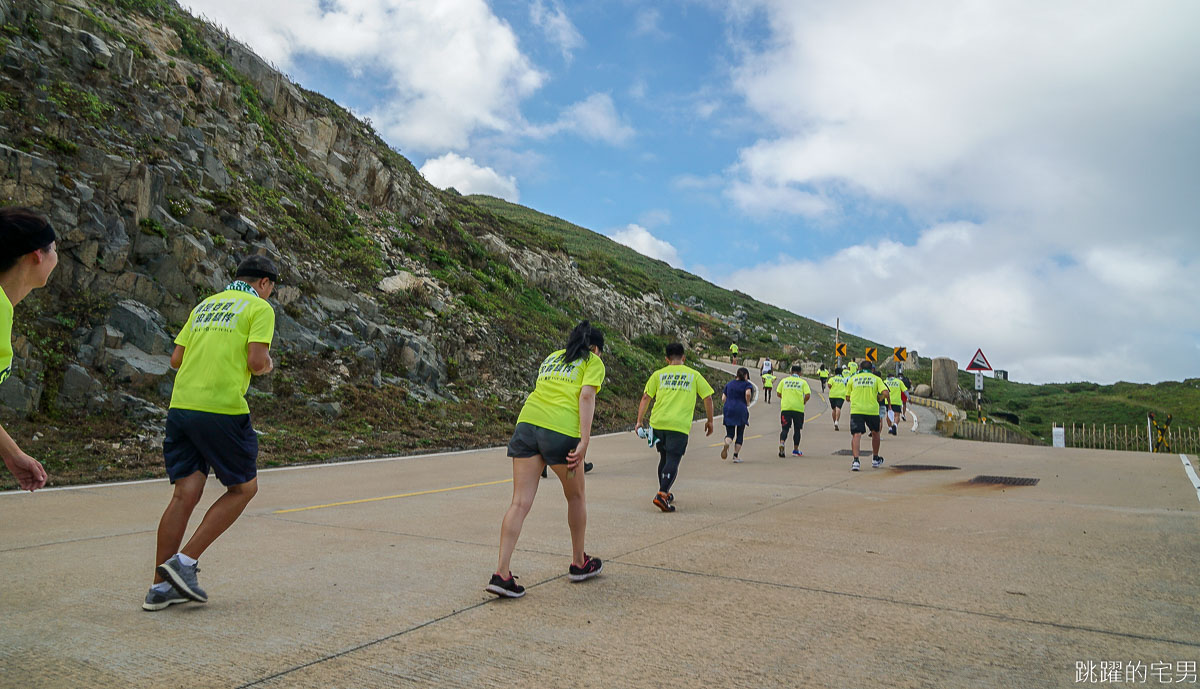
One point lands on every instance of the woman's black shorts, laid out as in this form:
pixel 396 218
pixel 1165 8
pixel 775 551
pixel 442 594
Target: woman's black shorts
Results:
pixel 529 440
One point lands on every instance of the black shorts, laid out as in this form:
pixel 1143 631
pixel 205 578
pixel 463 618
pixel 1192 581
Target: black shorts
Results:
pixel 199 440
pixel 860 423
pixel 836 402
pixel 529 440
pixel 788 417
pixel 896 408
pixel 671 442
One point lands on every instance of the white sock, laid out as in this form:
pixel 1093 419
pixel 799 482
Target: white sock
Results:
pixel 162 587
pixel 185 560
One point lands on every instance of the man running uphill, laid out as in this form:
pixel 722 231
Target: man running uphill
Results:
pixel 673 389
pixel 794 392
pixel 866 391
pixel 226 339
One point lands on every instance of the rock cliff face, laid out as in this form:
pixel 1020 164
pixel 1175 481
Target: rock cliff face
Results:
pixel 164 152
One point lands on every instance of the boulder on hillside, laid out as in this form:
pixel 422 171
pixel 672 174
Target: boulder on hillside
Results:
pixel 923 390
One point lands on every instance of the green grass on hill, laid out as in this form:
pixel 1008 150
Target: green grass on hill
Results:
pixel 1037 408
pixel 634 274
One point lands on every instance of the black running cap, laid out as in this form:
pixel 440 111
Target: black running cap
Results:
pixel 258 267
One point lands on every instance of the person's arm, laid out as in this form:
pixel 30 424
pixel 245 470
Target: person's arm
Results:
pixel 29 472
pixel 587 409
pixel 749 395
pixel 258 358
pixel 177 357
pixel 708 409
pixel 642 410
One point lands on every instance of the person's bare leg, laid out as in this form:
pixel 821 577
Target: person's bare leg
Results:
pixel 175 518
pixel 223 513
pixel 854 444
pixel 875 443
pixel 527 472
pixel 576 510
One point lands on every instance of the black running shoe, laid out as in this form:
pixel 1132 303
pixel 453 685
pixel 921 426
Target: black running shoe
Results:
pixel 892 430
pixel 591 567
pixel 507 588
pixel 662 502
pixel 544 472
pixel 587 466
pixel 671 498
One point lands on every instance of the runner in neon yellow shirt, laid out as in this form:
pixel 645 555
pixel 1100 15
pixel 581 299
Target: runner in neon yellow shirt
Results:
pixel 673 389
pixel 554 429
pixel 866 391
pixel 823 374
pixel 837 394
pixel 733 353
pixel 768 380
pixel 226 339
pixel 794 392
pixel 896 390
pixel 28 254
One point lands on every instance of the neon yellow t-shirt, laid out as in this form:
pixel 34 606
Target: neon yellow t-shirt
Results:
pixel 897 387
pixel 791 393
pixel 733 348
pixel 554 402
pixel 863 390
pixel 823 373
pixel 851 369
pixel 837 387
pixel 675 389
pixel 214 376
pixel 768 380
pixel 6 350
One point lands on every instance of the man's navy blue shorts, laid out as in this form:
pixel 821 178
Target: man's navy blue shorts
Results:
pixel 198 440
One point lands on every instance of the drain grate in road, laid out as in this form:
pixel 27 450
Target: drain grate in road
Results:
pixel 1006 480
pixel 845 453
pixel 924 467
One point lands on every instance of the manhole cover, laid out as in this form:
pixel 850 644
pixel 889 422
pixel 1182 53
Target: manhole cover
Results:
pixel 845 453
pixel 1006 480
pixel 923 467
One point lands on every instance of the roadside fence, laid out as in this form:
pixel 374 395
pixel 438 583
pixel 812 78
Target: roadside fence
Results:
pixel 1132 438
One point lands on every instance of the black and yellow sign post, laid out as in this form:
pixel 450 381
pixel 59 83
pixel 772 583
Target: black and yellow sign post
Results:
pixel 839 349
pixel 899 355
pixel 873 355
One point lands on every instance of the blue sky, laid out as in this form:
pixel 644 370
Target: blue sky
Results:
pixel 1018 176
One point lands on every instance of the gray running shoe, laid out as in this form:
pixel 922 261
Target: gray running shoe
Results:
pixel 854 465
pixel 183 578
pixel 157 600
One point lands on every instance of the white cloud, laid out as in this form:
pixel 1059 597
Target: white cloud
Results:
pixel 963 286
pixel 452 67
pixel 689 182
pixel 655 217
pixel 646 23
pixel 595 118
pixel 557 27
pixel 468 177
pixel 1065 131
pixel 642 241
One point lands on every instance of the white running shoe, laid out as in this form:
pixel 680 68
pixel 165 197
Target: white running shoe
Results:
pixel 854 465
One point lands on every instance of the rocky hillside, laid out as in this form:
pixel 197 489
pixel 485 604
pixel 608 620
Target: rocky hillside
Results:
pixel 164 151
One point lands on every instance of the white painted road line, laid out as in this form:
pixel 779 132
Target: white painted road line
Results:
pixel 1191 472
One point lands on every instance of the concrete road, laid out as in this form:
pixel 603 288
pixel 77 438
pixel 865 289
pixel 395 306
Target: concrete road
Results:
pixel 776 572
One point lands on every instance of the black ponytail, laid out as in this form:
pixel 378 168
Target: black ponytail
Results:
pixel 580 342
pixel 743 374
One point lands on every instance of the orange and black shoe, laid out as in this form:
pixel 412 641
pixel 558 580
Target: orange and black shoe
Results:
pixel 591 567
pixel 663 502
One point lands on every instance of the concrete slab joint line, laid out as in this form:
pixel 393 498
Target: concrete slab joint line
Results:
pixel 1191 472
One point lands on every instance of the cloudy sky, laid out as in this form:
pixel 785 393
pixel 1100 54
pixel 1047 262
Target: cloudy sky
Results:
pixel 1021 177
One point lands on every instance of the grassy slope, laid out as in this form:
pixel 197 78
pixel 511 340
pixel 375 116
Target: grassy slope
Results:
pixel 1038 407
pixel 634 274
